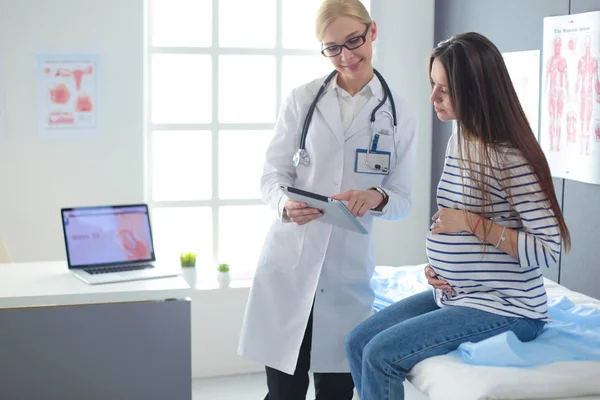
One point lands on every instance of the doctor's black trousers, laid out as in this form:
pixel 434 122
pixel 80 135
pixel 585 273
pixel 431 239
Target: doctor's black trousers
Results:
pixel 328 386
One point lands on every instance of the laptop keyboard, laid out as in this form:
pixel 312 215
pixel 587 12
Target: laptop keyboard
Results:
pixel 124 268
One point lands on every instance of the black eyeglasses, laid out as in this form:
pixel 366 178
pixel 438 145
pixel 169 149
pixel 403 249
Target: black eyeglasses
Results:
pixel 351 44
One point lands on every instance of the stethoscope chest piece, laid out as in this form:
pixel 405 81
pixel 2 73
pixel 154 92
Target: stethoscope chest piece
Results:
pixel 300 157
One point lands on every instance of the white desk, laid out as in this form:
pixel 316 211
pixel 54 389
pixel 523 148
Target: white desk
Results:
pixel 116 341
pixel 50 283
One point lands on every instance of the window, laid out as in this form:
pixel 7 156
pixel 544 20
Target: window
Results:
pixel 218 71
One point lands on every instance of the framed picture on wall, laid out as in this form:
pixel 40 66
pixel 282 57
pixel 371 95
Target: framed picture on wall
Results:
pixel 68 95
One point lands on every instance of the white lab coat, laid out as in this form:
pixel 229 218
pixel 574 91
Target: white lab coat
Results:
pixel 317 262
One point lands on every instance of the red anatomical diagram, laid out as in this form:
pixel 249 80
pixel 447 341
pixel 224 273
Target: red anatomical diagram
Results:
pixel 76 73
pixel 84 103
pixel 571 127
pixel 558 86
pixel 587 83
pixel 60 94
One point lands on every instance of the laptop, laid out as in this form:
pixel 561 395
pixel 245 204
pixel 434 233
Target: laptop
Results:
pixel 108 244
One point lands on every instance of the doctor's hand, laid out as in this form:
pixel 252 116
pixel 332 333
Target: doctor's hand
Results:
pixel 434 281
pixel 360 201
pixel 300 213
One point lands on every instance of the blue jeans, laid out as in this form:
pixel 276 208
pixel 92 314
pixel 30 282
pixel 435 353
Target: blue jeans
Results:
pixel 384 348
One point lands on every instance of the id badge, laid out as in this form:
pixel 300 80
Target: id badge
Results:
pixel 367 163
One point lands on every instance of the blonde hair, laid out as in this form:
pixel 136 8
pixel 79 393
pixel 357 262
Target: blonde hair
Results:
pixel 331 9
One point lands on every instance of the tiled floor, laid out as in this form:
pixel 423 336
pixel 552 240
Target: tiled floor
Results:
pixel 253 387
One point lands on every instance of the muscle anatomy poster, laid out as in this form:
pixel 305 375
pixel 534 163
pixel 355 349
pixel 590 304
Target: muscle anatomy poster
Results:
pixel 68 100
pixel 570 128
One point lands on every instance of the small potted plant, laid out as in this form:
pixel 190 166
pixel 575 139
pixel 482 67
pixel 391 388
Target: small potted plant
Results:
pixel 223 276
pixel 188 264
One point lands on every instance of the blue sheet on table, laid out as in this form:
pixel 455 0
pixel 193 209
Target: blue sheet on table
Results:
pixel 573 334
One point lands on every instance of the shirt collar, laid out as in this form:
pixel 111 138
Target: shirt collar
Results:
pixel 373 88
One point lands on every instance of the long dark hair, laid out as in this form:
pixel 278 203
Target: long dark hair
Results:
pixel 489 113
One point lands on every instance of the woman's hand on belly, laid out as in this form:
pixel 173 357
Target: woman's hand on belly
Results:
pixel 434 281
pixel 448 220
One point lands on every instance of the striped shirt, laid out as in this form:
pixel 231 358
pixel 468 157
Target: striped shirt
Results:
pixel 482 276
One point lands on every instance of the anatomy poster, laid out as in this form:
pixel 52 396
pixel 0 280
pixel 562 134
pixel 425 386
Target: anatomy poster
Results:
pixel 68 98
pixel 570 129
pixel 2 115
pixel 524 70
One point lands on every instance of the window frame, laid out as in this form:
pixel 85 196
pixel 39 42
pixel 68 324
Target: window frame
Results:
pixel 214 51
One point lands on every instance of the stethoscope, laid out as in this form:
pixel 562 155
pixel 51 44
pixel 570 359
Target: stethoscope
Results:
pixel 301 155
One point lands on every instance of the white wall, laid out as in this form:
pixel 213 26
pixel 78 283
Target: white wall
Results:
pixel 404 42
pixel 41 176
pixel 38 177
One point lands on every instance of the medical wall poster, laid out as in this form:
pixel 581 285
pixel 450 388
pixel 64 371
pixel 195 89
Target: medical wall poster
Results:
pixel 570 111
pixel 524 70
pixel 2 112
pixel 68 95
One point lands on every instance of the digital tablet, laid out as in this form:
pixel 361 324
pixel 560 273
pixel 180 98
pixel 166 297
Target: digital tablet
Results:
pixel 334 211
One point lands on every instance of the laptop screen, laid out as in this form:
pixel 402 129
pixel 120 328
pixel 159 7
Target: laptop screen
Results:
pixel 107 235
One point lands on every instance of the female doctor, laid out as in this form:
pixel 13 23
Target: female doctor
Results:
pixel 312 283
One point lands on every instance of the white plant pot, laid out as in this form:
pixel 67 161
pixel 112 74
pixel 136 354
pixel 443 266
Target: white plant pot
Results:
pixel 189 274
pixel 224 279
